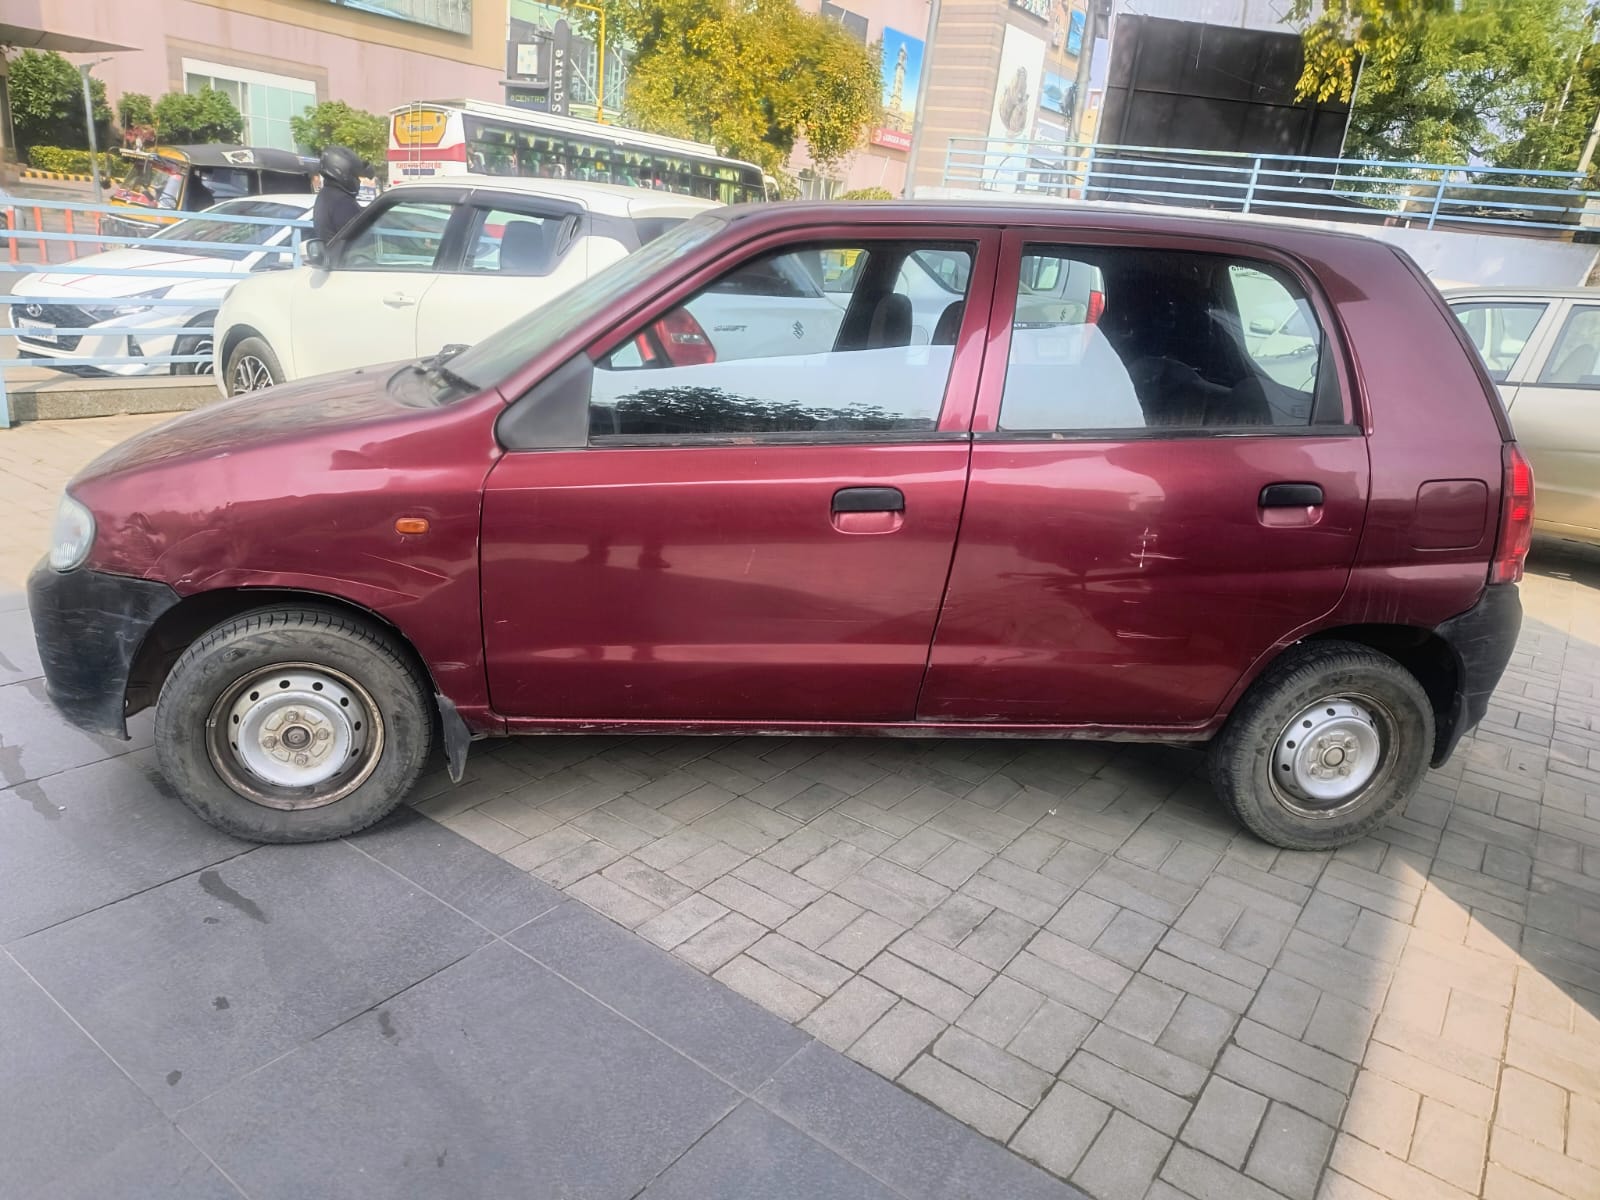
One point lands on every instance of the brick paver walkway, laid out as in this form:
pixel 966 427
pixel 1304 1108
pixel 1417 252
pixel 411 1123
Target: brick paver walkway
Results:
pixel 1069 948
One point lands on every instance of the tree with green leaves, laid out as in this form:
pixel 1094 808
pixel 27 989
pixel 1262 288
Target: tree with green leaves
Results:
pixel 47 102
pixel 198 118
pixel 135 109
pixel 335 123
pixel 1455 81
pixel 752 77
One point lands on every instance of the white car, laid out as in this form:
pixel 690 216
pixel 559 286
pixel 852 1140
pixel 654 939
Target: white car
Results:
pixel 431 264
pixel 135 327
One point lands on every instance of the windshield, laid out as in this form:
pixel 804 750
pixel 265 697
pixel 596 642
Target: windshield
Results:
pixel 500 354
pixel 231 239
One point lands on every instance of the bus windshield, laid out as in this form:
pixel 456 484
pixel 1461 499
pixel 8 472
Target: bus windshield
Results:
pixel 501 148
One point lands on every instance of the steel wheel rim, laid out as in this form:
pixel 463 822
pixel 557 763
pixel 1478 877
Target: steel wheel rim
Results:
pixel 250 374
pixel 294 736
pixel 1331 756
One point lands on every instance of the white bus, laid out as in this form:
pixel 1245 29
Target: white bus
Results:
pixel 454 137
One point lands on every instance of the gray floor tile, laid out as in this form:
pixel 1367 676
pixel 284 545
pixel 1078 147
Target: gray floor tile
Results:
pixel 488 889
pixel 86 837
pixel 155 1163
pixel 735 1038
pixel 36 741
pixel 911 1146
pixel 753 1155
pixel 217 973
pixel 65 1109
pixel 494 1078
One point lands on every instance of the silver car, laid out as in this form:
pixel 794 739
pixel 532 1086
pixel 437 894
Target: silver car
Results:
pixel 1542 348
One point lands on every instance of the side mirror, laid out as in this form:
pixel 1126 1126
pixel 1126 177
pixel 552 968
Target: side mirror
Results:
pixel 315 254
pixel 1262 325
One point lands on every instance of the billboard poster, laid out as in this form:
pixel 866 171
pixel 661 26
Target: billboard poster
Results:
pixel 1056 94
pixel 453 16
pixel 902 76
pixel 1016 99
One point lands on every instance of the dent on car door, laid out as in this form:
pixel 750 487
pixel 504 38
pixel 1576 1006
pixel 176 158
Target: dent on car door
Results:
pixel 1556 416
pixel 758 527
pixel 363 309
pixel 515 256
pixel 1160 491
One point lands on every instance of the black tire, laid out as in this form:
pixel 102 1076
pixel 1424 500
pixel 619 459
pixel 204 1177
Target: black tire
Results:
pixel 196 343
pixel 220 675
pixel 1253 756
pixel 259 363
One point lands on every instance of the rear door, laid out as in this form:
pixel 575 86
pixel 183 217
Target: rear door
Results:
pixel 1157 497
pixel 515 253
pixel 363 309
pixel 1555 411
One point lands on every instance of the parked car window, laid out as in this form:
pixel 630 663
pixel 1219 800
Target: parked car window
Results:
pixel 404 237
pixel 517 243
pixel 766 350
pixel 1576 357
pixel 1121 338
pixel 231 239
pixel 1499 331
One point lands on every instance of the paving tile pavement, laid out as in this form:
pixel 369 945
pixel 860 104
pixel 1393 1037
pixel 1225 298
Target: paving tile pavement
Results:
pixel 1070 949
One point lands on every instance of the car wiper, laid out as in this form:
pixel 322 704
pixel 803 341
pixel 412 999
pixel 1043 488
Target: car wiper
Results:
pixel 434 370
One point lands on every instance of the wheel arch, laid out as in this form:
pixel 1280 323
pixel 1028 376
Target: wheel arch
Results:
pixel 1429 658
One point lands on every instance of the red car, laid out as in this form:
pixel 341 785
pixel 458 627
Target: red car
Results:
pixel 1049 472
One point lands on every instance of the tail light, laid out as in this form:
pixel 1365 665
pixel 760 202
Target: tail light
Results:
pixel 683 341
pixel 1097 308
pixel 1516 518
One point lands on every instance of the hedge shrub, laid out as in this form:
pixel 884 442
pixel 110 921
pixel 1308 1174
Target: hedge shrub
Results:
pixel 72 162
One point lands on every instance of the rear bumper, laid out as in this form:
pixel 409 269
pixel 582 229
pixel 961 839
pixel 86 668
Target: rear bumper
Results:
pixel 1482 639
pixel 89 626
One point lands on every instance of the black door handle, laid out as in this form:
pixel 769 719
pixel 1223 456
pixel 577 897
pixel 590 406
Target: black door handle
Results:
pixel 869 499
pixel 1291 495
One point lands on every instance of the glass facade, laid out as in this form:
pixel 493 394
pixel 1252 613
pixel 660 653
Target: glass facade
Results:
pixel 267 101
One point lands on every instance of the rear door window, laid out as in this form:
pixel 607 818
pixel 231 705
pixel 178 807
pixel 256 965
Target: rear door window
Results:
pixel 1500 331
pixel 505 242
pixel 1575 360
pixel 1131 338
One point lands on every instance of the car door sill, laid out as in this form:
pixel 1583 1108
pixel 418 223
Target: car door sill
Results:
pixel 518 726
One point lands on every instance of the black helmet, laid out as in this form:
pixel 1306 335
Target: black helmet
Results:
pixel 342 168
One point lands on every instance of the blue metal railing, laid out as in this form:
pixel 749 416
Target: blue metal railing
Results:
pixel 48 335
pixel 1433 195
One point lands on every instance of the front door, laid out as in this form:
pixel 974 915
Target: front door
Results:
pixel 761 524
pixel 1166 480
pixel 363 308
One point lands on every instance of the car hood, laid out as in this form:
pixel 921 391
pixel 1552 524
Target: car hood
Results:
pixel 148 265
pixel 346 403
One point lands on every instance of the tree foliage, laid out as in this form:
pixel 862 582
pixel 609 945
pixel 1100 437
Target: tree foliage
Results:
pixel 47 102
pixel 749 76
pixel 198 117
pixel 1444 80
pixel 135 109
pixel 335 123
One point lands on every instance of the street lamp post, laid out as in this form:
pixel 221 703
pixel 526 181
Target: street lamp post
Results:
pixel 88 117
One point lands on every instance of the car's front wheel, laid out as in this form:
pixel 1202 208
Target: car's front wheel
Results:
pixel 1329 741
pixel 293 725
pixel 252 366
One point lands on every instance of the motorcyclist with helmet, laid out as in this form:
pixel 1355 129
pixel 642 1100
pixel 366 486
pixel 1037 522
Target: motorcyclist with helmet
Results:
pixel 336 203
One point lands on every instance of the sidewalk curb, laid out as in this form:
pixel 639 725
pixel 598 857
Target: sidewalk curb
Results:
pixel 61 176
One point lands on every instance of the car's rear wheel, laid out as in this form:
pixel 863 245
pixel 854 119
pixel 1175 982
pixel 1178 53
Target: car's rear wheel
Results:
pixel 1324 746
pixel 252 366
pixel 293 725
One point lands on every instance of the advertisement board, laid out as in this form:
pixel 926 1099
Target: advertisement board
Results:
pixel 453 16
pixel 902 76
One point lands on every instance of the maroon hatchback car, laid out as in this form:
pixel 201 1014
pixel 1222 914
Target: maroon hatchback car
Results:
pixel 860 469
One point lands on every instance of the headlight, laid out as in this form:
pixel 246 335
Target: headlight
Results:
pixel 130 307
pixel 72 536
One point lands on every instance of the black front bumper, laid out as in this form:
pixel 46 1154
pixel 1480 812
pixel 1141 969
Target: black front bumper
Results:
pixel 89 626
pixel 1482 639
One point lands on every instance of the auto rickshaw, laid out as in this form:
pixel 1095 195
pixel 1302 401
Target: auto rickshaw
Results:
pixel 185 179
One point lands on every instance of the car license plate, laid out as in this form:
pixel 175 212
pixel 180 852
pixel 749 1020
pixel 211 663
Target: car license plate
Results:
pixel 36 331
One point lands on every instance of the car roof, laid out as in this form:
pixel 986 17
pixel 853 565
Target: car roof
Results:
pixel 1071 214
pixel 614 199
pixel 1523 293
pixel 267 158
